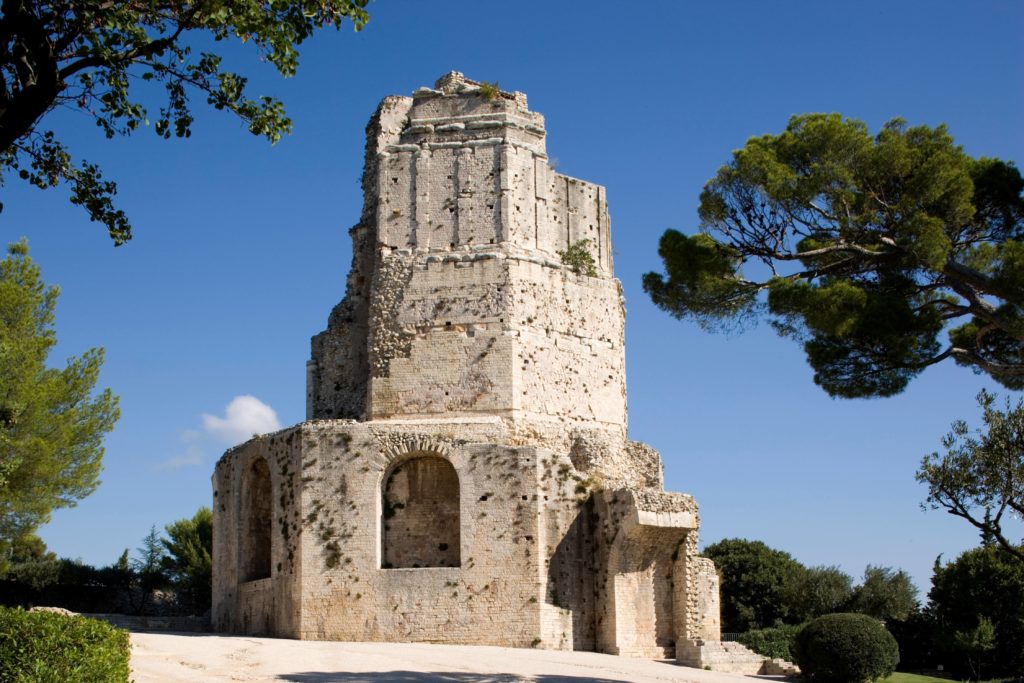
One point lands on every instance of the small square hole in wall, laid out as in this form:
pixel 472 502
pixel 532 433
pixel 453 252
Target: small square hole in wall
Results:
pixel 483 497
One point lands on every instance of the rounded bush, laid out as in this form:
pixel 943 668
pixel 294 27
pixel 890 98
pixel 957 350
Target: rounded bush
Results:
pixel 47 646
pixel 845 648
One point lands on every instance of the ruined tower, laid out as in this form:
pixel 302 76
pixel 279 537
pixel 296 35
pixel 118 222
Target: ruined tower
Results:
pixel 464 474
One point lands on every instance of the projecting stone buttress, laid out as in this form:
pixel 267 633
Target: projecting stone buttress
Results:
pixel 464 475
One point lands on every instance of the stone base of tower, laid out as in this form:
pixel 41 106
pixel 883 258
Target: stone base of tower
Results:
pixel 450 531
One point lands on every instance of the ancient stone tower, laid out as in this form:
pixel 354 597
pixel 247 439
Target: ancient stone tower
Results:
pixel 464 475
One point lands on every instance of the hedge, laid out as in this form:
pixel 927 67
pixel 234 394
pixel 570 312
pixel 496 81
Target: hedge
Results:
pixel 771 642
pixel 845 648
pixel 46 646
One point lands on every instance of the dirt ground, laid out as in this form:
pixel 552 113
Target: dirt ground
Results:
pixel 202 658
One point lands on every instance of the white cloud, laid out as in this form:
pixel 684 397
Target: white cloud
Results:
pixel 193 455
pixel 243 418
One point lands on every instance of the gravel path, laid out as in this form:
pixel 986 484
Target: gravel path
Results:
pixel 166 658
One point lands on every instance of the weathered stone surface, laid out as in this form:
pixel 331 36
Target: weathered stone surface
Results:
pixel 464 475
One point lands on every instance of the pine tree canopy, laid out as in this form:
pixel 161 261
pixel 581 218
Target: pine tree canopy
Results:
pixel 881 254
pixel 51 423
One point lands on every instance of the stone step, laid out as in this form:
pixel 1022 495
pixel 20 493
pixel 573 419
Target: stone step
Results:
pixel 732 657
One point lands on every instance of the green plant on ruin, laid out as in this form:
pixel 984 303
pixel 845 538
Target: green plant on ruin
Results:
pixel 578 257
pixel 490 90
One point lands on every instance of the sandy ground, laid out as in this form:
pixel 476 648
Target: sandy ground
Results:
pixel 160 657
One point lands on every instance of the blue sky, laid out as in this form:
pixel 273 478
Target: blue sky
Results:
pixel 241 248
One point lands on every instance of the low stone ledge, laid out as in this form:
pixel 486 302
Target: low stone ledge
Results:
pixel 133 622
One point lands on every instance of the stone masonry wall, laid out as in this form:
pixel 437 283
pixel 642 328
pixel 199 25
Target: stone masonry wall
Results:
pixel 486 333
pixel 465 475
pixel 458 302
pixel 267 606
pixel 351 593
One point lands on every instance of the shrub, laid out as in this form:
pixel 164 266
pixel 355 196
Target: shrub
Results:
pixel 771 642
pixel 579 259
pixel 845 648
pixel 489 90
pixel 984 582
pixel 45 646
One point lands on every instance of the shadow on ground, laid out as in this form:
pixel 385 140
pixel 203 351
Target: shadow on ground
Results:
pixel 433 677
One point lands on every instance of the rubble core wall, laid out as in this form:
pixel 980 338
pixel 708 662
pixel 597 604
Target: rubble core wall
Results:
pixel 337 373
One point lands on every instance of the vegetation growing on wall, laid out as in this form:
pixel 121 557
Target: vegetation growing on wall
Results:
pixel 579 258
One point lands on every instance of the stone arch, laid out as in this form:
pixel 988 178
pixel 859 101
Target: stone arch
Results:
pixel 420 518
pixel 257 504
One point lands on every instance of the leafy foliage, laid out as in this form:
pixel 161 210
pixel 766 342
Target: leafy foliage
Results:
pixel 146 570
pixel 44 646
pixel 981 476
pixel 818 591
pixel 87 56
pixel 917 637
pixel 137 583
pixel 754 581
pixel 762 588
pixel 985 584
pixel 578 257
pixel 187 558
pixel 37 574
pixel 27 558
pixel 51 424
pixel 885 594
pixel 777 641
pixel 845 648
pixel 976 643
pixel 870 248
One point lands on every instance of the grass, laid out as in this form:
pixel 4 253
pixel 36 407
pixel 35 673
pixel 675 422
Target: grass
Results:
pixel 900 677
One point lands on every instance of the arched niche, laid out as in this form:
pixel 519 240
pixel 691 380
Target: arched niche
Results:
pixel 420 514
pixel 254 544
